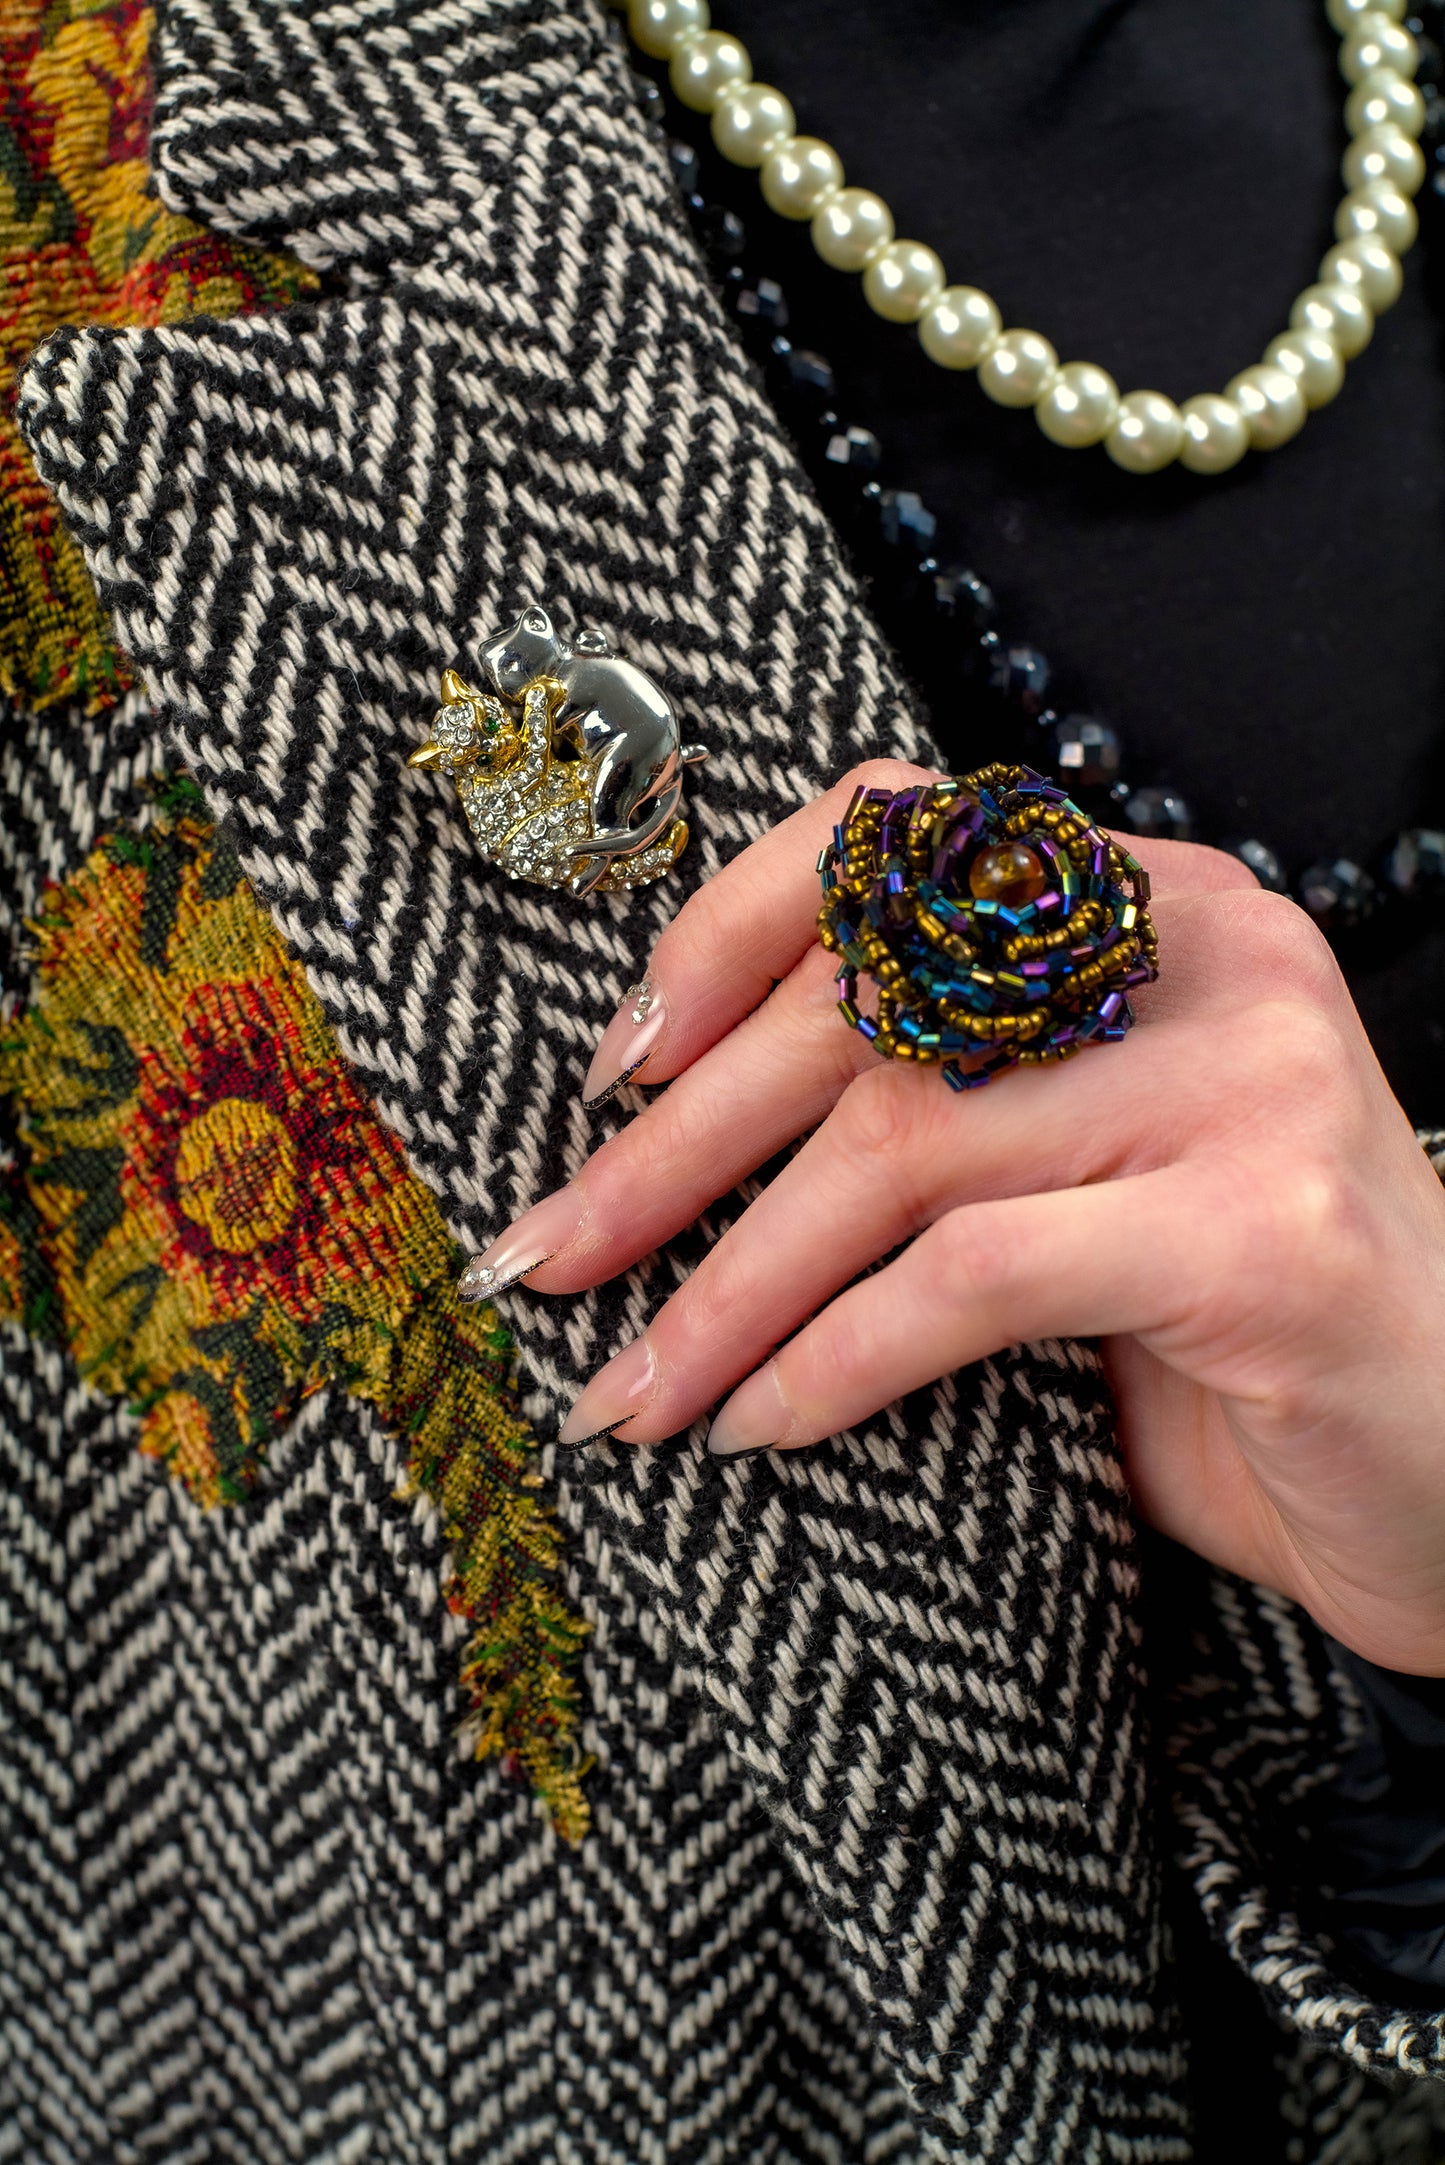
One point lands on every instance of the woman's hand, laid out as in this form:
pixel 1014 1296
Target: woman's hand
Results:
pixel 1232 1199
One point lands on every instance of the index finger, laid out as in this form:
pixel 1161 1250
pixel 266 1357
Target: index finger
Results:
pixel 747 928
pixel 731 942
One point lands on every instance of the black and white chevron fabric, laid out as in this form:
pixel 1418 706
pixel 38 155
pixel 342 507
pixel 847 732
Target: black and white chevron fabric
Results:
pixel 876 1869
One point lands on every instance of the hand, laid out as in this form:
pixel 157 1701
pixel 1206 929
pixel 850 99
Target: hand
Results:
pixel 1231 1199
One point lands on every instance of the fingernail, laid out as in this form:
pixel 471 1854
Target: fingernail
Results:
pixel 754 1418
pixel 615 1394
pixel 627 1043
pixel 523 1248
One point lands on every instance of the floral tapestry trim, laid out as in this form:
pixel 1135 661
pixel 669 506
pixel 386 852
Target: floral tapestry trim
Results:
pixel 203 1208
pixel 83 239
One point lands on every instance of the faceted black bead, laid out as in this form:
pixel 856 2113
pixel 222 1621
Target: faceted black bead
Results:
pixel 853 450
pixel 1261 861
pixel 1020 674
pixel 902 519
pixel 1412 867
pixel 648 95
pixel 1337 895
pixel 1087 753
pixel 1432 62
pixel 761 301
pixel 805 376
pixel 1159 813
pixel 686 165
pixel 961 600
pixel 722 232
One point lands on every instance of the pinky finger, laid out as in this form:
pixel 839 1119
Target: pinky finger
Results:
pixel 1075 1263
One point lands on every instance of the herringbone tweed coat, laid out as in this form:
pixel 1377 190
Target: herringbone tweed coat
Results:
pixel 886 1817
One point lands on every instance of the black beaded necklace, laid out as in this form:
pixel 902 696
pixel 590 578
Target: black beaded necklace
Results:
pixel 943 618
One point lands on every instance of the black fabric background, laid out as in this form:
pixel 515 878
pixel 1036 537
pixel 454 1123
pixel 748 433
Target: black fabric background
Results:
pixel 1150 182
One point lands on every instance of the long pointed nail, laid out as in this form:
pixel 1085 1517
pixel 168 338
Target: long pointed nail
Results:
pixel 756 1417
pixel 626 1045
pixel 616 1394
pixel 523 1248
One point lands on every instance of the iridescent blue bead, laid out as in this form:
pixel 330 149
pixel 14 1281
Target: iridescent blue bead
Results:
pixel 1261 861
pixel 1086 753
pixel 1159 813
pixel 1337 895
pixel 1020 675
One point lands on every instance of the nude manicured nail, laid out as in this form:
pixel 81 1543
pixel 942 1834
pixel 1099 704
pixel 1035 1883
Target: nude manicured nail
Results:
pixel 615 1394
pixel 523 1248
pixel 626 1045
pixel 754 1418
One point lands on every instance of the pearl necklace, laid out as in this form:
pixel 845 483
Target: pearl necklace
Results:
pixel 1077 403
pixel 942 616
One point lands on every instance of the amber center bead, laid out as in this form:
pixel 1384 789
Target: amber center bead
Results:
pixel 1007 872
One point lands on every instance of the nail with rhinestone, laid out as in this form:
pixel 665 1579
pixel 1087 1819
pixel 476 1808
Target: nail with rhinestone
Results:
pixel 535 1238
pixel 626 1045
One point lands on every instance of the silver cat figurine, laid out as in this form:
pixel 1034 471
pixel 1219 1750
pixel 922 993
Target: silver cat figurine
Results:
pixel 570 765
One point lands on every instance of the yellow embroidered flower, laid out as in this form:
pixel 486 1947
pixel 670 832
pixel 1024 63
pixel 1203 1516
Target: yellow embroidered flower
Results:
pixel 211 1217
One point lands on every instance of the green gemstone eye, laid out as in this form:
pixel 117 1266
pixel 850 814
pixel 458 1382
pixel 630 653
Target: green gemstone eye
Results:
pixel 491 728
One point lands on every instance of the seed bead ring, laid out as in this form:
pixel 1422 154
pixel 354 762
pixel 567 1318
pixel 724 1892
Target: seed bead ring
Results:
pixel 1001 927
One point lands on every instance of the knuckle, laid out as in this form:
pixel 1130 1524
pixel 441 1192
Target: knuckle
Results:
pixel 1296 1225
pixel 1278 943
pixel 1298 1065
pixel 960 1258
pixel 878 1117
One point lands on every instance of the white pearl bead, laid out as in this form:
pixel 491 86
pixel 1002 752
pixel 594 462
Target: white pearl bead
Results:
pixel 1018 368
pixel 1383 213
pixel 902 281
pixel 1216 436
pixel 1384 155
pixel 851 228
pixel 1384 100
pixel 1314 361
pixel 1378 43
pixel 1340 312
pixel 1079 406
pixel 706 67
pixel 960 327
pixel 659 26
pixel 1272 403
pixel 1147 433
pixel 1368 264
pixel 1344 14
pixel 799 176
pixel 750 122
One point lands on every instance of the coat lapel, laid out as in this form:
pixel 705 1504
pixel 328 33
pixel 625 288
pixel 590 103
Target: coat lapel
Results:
pixel 522 386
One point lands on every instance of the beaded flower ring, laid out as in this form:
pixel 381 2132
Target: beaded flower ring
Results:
pixel 1001 927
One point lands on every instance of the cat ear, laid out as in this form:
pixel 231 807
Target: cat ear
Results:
pixel 455 688
pixel 591 642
